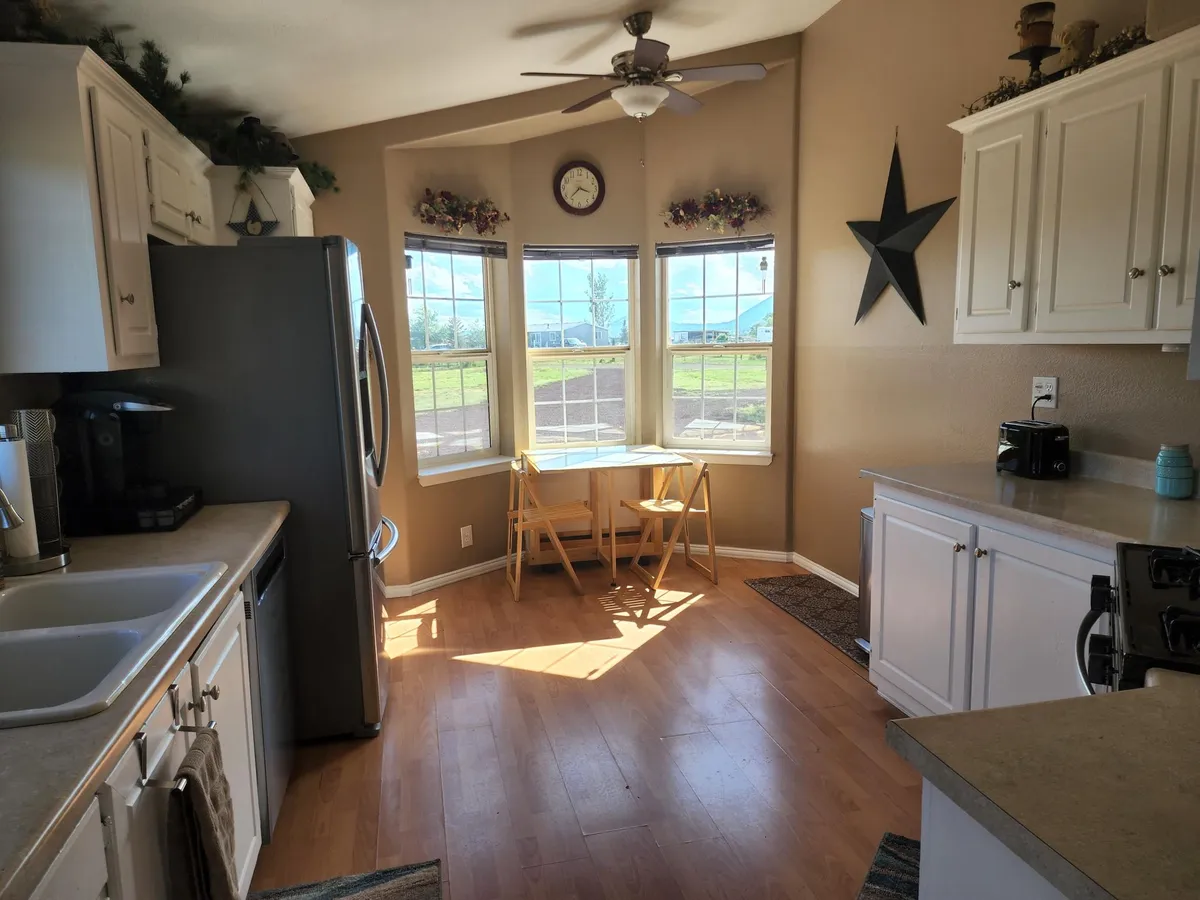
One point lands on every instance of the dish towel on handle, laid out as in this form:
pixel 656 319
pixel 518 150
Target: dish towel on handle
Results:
pixel 200 826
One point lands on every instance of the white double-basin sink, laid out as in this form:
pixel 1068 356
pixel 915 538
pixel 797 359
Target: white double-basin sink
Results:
pixel 70 643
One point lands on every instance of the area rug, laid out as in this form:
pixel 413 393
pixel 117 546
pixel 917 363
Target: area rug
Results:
pixel 422 881
pixel 825 608
pixel 893 874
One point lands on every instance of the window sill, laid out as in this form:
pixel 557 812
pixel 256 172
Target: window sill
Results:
pixel 460 471
pixel 729 457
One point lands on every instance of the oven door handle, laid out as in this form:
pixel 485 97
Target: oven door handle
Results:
pixel 1085 628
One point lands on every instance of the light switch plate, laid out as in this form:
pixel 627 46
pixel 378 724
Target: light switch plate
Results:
pixel 1046 384
pixel 468 537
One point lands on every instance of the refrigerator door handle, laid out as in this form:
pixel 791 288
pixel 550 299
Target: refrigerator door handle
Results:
pixel 384 399
pixel 391 544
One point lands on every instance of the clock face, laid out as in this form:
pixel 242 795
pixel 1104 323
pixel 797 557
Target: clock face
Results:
pixel 579 188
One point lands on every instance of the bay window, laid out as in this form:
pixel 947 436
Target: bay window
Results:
pixel 579 322
pixel 718 331
pixel 450 324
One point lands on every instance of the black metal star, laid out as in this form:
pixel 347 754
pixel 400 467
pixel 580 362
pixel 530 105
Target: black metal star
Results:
pixel 254 225
pixel 892 243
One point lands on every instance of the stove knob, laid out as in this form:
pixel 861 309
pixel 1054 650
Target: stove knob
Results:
pixel 1100 659
pixel 1102 593
pixel 1060 466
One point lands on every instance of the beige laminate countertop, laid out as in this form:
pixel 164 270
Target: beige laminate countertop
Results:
pixel 1085 509
pixel 1099 795
pixel 49 773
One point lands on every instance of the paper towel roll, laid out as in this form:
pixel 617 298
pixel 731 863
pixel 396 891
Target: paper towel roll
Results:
pixel 14 479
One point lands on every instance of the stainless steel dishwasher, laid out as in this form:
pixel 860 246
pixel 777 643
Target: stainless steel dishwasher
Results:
pixel 270 680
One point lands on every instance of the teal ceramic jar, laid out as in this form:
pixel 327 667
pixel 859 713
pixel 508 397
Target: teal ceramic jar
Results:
pixel 1176 474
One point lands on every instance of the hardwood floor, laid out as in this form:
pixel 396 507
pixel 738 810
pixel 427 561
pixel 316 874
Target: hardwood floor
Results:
pixel 697 744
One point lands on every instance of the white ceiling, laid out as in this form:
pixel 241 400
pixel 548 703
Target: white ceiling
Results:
pixel 308 66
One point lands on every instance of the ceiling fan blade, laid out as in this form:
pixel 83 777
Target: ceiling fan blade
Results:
pixel 553 27
pixel 590 101
pixel 678 101
pixel 648 54
pixel 593 43
pixel 746 72
pixel 571 75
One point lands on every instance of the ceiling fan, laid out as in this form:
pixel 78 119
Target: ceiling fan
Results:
pixel 647 83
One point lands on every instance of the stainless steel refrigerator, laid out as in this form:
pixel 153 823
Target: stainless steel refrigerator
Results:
pixel 272 359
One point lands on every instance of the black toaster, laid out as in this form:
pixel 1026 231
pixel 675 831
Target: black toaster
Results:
pixel 1034 449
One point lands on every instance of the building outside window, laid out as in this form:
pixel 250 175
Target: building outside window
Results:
pixel 719 311
pixel 450 322
pixel 578 315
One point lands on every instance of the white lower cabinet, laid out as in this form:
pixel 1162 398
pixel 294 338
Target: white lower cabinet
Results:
pixel 136 814
pixel 220 676
pixel 920 606
pixel 79 871
pixel 1029 601
pixel 214 686
pixel 965 615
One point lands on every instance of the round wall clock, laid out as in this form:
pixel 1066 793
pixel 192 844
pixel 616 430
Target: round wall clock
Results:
pixel 579 188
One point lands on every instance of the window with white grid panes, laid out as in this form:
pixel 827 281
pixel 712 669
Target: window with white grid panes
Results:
pixel 450 317
pixel 719 312
pixel 578 313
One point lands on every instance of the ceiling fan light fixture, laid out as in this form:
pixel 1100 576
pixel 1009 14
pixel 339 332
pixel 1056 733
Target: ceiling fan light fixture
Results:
pixel 640 100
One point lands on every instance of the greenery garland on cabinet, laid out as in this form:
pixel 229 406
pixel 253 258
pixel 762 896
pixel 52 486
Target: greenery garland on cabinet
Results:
pixel 249 144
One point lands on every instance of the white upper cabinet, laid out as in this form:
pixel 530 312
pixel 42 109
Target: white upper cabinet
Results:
pixel 1099 223
pixel 121 167
pixel 1085 194
pixel 1179 263
pixel 996 219
pixel 88 170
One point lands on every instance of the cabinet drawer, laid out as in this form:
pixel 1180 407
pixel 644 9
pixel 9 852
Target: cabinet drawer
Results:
pixel 79 871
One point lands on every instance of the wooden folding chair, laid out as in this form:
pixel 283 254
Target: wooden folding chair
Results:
pixel 526 513
pixel 651 511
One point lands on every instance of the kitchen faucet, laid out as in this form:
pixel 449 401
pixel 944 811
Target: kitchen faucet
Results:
pixel 9 519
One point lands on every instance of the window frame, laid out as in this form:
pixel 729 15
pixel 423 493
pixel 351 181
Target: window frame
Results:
pixel 542 354
pixel 669 350
pixel 487 355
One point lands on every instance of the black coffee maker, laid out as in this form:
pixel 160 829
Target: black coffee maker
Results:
pixel 107 484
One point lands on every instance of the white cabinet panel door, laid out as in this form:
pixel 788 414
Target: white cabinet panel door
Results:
pixel 921 605
pixel 170 186
pixel 203 228
pixel 1029 601
pixel 996 226
pixel 1181 228
pixel 1101 190
pixel 137 851
pixel 221 681
pixel 79 872
pixel 121 163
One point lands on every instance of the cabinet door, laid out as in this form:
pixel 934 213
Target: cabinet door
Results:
pixel 203 229
pixel 170 185
pixel 1029 601
pixel 996 227
pixel 221 681
pixel 1100 215
pixel 79 872
pixel 302 218
pixel 137 815
pixel 121 163
pixel 921 605
pixel 1181 228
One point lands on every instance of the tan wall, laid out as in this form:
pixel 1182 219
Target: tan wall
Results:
pixel 744 139
pixel 889 391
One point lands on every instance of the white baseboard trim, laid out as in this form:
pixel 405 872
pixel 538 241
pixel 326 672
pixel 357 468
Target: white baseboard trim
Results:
pixel 392 591
pixel 828 574
pixel 741 553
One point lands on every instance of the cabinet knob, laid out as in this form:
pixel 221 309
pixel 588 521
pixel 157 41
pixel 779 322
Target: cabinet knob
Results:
pixel 959 548
pixel 1165 270
pixel 1013 285
pixel 199 219
pixel 127 298
pixel 1136 273
pixel 213 691
pixel 980 553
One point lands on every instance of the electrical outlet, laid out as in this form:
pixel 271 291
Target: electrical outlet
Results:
pixel 468 537
pixel 1046 384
